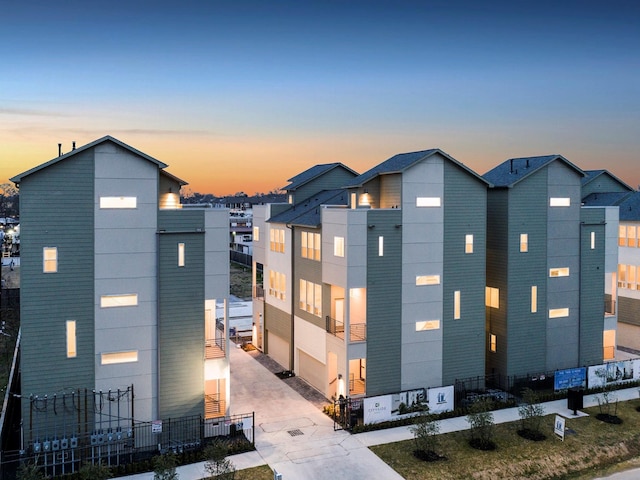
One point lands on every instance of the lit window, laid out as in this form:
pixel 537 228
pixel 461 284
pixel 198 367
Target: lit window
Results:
pixel 493 343
pixel 559 272
pixel 456 305
pixel 631 236
pixel 622 236
pixel 311 244
pixel 277 284
pixel 427 325
pixel 558 312
pixel 593 240
pixel 428 280
pixel 534 299
pixel 129 300
pixel 354 200
pixel 380 246
pixel 622 275
pixel 118 202
pixel 559 202
pixel 468 244
pixel 50 259
pixel 256 234
pixel 181 254
pixel 310 297
pixel 290 199
pixel 118 357
pixel 276 240
pixel 338 246
pixel 524 242
pixel 71 339
pixel 428 202
pixel 492 297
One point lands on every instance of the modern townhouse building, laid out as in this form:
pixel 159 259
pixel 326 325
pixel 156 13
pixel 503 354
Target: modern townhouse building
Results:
pixel 601 188
pixel 123 297
pixel 383 280
pixel 549 263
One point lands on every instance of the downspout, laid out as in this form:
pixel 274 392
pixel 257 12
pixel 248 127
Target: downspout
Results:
pixel 293 303
pixel 157 376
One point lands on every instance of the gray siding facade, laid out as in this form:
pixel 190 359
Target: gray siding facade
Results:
pixel 181 314
pixel 465 213
pixel 56 207
pixel 384 302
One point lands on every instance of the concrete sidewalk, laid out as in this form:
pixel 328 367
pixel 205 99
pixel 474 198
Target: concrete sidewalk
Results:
pixel 294 438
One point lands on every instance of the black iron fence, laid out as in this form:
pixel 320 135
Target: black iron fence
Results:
pixel 122 449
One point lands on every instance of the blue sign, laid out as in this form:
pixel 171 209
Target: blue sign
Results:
pixel 570 378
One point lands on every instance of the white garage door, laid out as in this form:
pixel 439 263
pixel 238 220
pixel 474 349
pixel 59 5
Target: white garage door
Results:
pixel 278 349
pixel 312 371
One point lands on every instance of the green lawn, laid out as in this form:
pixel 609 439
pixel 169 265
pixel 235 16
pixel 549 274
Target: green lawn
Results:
pixel 590 449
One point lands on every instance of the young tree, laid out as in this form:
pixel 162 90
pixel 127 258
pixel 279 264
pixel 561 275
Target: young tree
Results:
pixel 217 465
pixel 95 471
pixel 481 425
pixel 531 414
pixel 425 432
pixel 30 471
pixel 164 467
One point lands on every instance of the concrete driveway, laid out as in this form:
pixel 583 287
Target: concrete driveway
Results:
pixel 292 435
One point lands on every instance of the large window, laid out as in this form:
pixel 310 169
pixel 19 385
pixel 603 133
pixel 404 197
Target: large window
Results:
pixel 71 339
pixel 127 300
pixel 118 202
pixel 338 246
pixel 256 234
pixel 276 240
pixel 628 276
pixel 113 358
pixel 311 245
pixel 277 284
pixel 628 236
pixel 492 297
pixel 50 259
pixel 311 297
pixel 559 272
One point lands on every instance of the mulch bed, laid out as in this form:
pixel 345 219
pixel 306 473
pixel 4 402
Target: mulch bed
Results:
pixel 607 418
pixel 428 456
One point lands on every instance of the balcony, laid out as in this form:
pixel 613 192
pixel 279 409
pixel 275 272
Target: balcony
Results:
pixel 258 292
pixel 357 332
pixel 214 348
pixel 609 307
pixel 214 406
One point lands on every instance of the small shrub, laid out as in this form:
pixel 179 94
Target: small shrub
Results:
pixel 164 467
pixel 425 432
pixel 30 471
pixel 95 471
pixel 216 465
pixel 531 416
pixel 481 425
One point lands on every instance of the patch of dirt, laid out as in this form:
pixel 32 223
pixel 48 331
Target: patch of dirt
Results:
pixel 532 435
pixel 478 444
pixel 607 418
pixel 428 456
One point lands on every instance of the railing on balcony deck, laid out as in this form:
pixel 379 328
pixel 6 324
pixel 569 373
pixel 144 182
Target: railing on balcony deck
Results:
pixel 610 307
pixel 214 348
pixel 214 406
pixel 357 386
pixel 357 331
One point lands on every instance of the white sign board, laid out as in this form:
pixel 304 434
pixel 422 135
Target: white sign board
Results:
pixel 441 399
pixel 558 427
pixel 156 426
pixel 377 409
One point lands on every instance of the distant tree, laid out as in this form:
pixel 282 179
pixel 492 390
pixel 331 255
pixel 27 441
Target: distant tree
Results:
pixel 8 200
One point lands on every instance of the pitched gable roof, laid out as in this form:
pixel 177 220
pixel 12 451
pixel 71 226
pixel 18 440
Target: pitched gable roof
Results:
pixel 312 173
pixel 307 213
pixel 106 138
pixel 402 161
pixel 630 207
pixel 592 175
pixel 514 170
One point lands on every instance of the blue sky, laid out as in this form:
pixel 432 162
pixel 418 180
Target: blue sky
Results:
pixel 244 95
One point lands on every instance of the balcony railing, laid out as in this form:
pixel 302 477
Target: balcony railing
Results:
pixel 214 406
pixel 357 331
pixel 258 292
pixel 214 348
pixel 610 307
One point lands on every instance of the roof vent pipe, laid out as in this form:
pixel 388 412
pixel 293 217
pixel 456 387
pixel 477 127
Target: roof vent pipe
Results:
pixel 511 166
pixel 59 149
pixel 527 159
pixel 74 145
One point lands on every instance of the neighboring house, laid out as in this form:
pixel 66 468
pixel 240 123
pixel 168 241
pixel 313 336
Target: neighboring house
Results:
pixel 122 291
pixel 381 282
pixel 546 275
pixel 601 188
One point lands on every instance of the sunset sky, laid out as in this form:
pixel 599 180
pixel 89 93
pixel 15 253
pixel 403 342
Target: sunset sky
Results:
pixel 242 95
